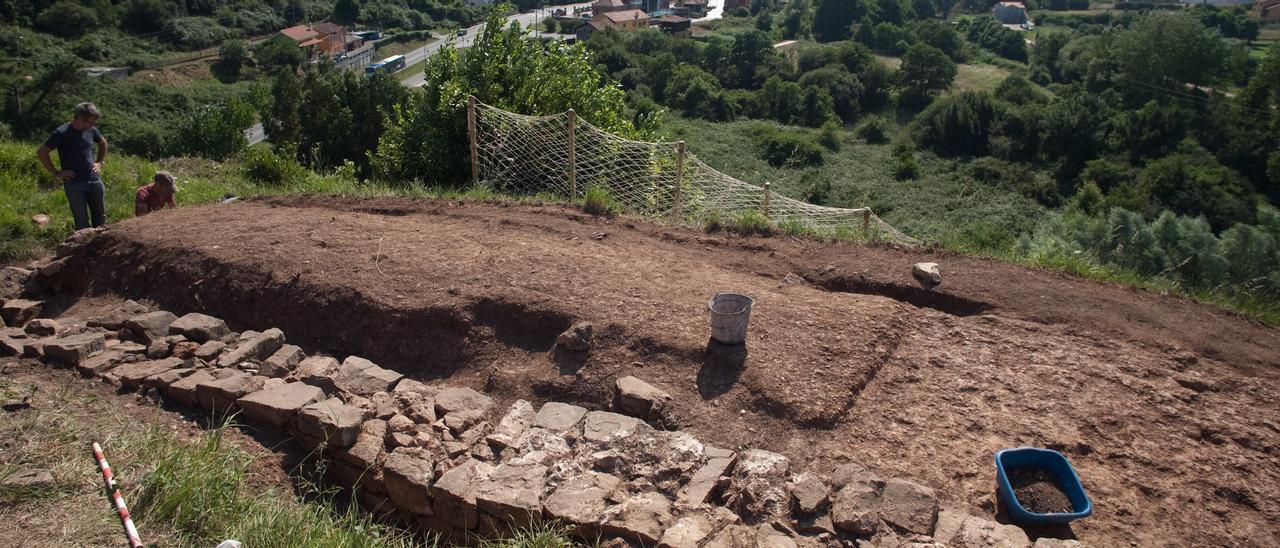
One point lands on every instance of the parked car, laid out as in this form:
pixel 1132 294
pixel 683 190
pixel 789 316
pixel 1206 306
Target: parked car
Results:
pixel 462 32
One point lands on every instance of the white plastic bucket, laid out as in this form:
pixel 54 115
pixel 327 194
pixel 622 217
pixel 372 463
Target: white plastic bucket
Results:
pixel 730 313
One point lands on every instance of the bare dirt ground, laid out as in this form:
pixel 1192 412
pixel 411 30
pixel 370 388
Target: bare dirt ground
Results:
pixel 1167 408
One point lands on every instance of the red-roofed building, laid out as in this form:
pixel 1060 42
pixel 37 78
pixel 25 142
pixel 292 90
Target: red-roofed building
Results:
pixel 628 19
pixel 322 38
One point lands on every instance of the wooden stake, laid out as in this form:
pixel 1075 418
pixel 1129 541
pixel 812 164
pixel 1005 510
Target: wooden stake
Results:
pixel 766 199
pixel 471 133
pixel 676 213
pixel 573 156
pixel 866 222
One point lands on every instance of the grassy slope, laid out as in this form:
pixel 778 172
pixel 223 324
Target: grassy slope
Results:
pixel 933 207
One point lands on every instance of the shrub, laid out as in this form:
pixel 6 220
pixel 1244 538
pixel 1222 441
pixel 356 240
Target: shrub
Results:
pixel 264 165
pixel 796 227
pixel 597 201
pixel 713 221
pixel 873 129
pixel 829 135
pixel 784 148
pixel 904 161
pixel 750 222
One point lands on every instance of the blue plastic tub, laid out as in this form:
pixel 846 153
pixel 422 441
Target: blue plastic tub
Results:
pixel 1053 461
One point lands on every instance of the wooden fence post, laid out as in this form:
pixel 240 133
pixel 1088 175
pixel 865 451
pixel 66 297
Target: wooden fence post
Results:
pixel 866 223
pixel 471 134
pixel 766 199
pixel 677 214
pixel 573 155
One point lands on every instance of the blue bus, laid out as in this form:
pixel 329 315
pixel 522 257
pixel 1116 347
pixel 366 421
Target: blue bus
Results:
pixel 388 65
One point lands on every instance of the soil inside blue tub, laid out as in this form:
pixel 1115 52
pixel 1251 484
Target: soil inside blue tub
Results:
pixel 1037 490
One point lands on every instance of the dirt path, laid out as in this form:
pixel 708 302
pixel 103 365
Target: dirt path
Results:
pixel 1167 408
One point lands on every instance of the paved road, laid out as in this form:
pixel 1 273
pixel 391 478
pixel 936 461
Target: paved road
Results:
pixel 256 135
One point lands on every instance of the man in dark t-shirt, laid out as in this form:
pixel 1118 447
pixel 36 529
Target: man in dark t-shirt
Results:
pixel 81 172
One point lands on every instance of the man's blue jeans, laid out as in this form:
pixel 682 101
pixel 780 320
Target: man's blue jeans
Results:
pixel 86 197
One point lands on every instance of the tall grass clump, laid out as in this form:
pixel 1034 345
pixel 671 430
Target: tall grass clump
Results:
pixel 751 222
pixel 200 492
pixel 597 201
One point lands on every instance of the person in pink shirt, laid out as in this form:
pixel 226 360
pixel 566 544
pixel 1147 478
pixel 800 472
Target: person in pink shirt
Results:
pixel 157 195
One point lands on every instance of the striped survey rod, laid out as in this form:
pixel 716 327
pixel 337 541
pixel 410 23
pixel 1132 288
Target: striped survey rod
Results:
pixel 113 492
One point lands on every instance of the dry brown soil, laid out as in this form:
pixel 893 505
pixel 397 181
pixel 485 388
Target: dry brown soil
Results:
pixel 1167 408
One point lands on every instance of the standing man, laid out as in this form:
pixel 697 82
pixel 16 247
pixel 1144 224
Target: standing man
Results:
pixel 81 172
pixel 157 195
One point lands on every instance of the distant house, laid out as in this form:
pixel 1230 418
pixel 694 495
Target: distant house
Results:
pixel 1010 13
pixel 1267 11
pixel 690 8
pixel 329 39
pixel 626 20
pixel 730 5
pixel 606 6
pixel 585 31
pixel 673 25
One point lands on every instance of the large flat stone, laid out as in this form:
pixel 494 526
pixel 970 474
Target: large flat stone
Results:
pixel 17 312
pixel 163 379
pixel 581 501
pixel 856 508
pixel 199 327
pixel 513 424
pixel 12 281
pixel 331 420
pixel 100 363
pixel 317 371
pixel 808 493
pixel 41 327
pixel 559 417
pixel 210 350
pixel 605 427
pixel 451 400
pixel 641 518
pixel 184 391
pixel 708 477
pixel 688 532
pixel 282 362
pixel 152 326
pixel 640 399
pixel 277 406
pixel 909 507
pixel 131 375
pixel 513 493
pixel 254 349
pixel 362 377
pixel 453 495
pixel 75 348
pixel 366 455
pixel 220 395
pixel 114 320
pixel 408 474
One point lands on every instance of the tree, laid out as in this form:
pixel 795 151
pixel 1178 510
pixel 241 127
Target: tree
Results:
pixel 146 16
pixel 216 131
pixel 988 33
pixel 279 52
pixel 67 19
pixel 842 86
pixel 345 12
pixel 1169 50
pixel 833 19
pixel 427 138
pixel 959 125
pixel 231 57
pixel 939 35
pixel 925 71
pixel 1046 52
pixel 818 107
pixel 282 125
pixel 749 50
pixel 1191 182
pixel 758 6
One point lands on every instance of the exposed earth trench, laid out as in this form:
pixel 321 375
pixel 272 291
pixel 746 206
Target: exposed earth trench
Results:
pixel 1167 408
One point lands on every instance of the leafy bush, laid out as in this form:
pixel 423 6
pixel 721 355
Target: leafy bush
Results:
pixel 873 129
pixel 829 135
pixel 713 221
pixel 195 32
pixel 597 201
pixel 958 125
pixel 785 148
pixel 215 131
pixel 264 165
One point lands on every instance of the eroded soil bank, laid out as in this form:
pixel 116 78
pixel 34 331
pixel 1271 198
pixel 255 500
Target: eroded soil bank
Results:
pixel 1167 408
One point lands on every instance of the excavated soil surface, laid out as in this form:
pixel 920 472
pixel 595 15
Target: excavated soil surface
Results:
pixel 1167 408
pixel 1038 491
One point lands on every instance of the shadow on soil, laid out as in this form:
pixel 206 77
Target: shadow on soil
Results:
pixel 924 298
pixel 722 364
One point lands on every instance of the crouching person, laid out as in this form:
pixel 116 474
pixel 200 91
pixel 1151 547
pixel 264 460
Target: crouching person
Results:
pixel 157 195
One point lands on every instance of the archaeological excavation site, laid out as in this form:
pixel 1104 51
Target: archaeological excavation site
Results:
pixel 466 369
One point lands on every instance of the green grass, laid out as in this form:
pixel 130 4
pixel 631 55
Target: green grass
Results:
pixel 400 48
pixel 597 201
pixel 199 491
